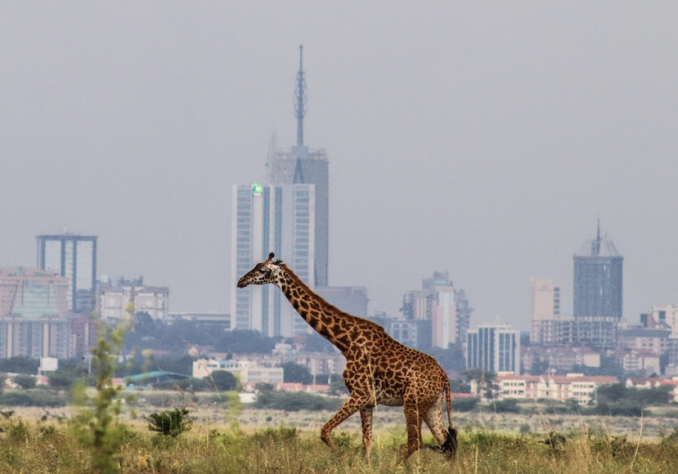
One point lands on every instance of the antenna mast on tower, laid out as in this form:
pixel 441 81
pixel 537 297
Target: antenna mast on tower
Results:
pixel 300 99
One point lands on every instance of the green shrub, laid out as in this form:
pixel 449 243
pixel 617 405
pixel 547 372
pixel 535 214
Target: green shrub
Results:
pixel 170 422
pixel 281 434
pixel 47 430
pixel 20 365
pixel 18 431
pixel 344 439
pixel 25 381
pixel 615 409
pixel 509 405
pixel 33 398
pixel 464 404
pixel 64 378
pixel 295 401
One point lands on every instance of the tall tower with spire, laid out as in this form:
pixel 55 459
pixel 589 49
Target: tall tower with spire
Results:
pixel 301 165
pixel 598 279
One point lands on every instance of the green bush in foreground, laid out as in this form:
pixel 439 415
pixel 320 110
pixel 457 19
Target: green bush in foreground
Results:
pixel 170 422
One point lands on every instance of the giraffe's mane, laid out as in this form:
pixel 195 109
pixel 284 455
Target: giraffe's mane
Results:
pixel 298 281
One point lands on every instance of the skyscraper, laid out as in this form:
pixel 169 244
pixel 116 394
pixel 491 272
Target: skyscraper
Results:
pixel 598 280
pixel 272 218
pixel 545 311
pixel 300 165
pixel 444 306
pixel 73 257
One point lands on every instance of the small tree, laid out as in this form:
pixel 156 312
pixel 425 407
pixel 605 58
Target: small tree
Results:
pixel 170 422
pixel 485 385
pixel 224 380
pixel 264 387
pixel 63 379
pixel 25 381
pixel 338 388
pixel 3 378
pixel 295 373
pixel 97 426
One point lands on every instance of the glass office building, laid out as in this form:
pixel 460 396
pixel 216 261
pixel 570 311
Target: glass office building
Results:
pixel 279 219
pixel 73 257
pixel 493 348
pixel 33 306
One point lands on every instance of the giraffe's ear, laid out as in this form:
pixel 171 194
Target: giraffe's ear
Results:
pixel 278 262
pixel 271 256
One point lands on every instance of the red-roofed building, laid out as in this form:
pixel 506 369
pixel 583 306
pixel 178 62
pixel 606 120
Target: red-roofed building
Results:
pixel 634 360
pixel 640 382
pixel 555 387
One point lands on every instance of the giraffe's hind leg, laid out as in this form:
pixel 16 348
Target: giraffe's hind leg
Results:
pixel 447 438
pixel 366 419
pixel 416 408
pixel 434 421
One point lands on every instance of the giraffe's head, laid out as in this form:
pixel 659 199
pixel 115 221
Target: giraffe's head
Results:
pixel 263 273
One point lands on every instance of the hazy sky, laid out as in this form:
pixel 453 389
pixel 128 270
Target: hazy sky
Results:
pixel 481 138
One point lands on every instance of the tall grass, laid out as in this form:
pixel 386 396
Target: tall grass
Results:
pixel 32 446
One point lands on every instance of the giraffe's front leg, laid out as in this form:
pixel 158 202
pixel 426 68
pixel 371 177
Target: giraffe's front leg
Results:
pixel 366 419
pixel 351 406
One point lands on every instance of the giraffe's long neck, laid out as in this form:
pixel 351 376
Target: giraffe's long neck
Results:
pixel 329 322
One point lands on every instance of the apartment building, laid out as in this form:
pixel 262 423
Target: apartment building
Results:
pixel 246 371
pixel 554 387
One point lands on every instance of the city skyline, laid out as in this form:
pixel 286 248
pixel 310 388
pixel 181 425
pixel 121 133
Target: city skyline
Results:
pixel 482 140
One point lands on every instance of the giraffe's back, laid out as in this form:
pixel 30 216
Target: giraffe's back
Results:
pixel 386 368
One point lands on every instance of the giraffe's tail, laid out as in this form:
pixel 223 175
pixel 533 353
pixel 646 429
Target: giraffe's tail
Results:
pixel 450 444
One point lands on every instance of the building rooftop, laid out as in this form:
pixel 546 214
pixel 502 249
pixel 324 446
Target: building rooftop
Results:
pixel 645 333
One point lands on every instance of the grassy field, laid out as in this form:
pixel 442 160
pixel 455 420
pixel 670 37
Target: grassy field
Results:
pixel 265 442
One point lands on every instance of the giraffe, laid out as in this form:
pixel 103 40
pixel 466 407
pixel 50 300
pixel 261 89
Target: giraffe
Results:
pixel 379 369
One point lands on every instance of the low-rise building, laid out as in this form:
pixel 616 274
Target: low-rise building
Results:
pixel 662 317
pixel 634 360
pixel 555 387
pixel 246 371
pixel 322 363
pixel 538 359
pixel 655 341
pixel 114 299
pixel 206 321
pixel 646 383
pixel 291 387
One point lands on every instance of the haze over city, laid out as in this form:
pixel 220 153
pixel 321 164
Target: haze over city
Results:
pixel 480 139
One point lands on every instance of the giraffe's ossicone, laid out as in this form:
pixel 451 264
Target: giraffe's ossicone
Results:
pixel 379 369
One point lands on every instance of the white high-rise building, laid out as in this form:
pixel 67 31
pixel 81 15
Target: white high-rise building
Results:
pixel 277 218
pixel 545 311
pixel 444 320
